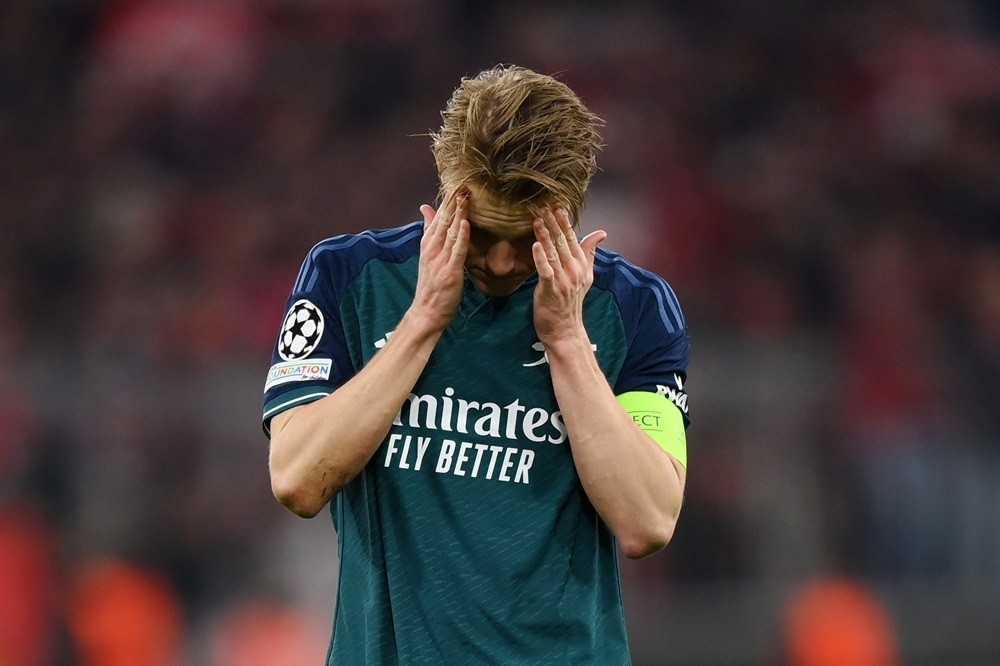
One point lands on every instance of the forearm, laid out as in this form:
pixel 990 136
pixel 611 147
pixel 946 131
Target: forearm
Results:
pixel 316 449
pixel 636 487
pixel 321 446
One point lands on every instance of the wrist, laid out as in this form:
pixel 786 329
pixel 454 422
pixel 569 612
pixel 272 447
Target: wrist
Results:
pixel 567 343
pixel 423 323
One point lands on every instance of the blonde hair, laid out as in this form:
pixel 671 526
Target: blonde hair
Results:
pixel 524 137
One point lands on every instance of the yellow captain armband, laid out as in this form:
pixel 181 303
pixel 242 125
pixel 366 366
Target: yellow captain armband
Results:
pixel 660 419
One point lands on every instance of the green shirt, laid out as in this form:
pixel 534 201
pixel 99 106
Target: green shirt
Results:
pixel 468 537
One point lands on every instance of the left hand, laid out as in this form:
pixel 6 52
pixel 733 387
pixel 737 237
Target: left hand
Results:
pixel 565 272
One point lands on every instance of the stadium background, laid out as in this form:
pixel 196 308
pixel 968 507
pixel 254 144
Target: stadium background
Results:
pixel 818 181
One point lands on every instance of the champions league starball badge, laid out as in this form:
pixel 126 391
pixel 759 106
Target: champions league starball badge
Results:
pixel 301 331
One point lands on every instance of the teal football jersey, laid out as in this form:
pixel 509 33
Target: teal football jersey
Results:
pixel 468 539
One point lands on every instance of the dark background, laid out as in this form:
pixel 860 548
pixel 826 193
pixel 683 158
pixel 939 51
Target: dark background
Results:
pixel 818 181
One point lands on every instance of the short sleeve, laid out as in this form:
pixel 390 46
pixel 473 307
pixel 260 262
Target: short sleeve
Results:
pixel 310 358
pixel 658 339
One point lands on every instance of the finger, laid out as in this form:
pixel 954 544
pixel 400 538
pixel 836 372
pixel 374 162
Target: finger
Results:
pixel 561 216
pixel 460 246
pixel 461 207
pixel 458 216
pixel 544 237
pixel 445 214
pixel 569 233
pixel 542 265
pixel 554 226
pixel 451 235
pixel 428 214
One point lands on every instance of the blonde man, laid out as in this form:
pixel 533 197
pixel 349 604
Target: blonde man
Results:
pixel 493 405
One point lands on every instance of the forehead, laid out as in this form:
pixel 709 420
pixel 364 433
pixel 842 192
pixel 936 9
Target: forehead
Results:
pixel 489 213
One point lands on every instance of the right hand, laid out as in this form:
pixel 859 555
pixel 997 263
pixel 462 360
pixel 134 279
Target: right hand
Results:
pixel 441 271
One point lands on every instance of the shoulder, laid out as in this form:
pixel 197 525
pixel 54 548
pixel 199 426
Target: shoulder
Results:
pixel 344 256
pixel 396 243
pixel 639 292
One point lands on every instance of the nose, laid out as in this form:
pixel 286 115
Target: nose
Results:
pixel 500 258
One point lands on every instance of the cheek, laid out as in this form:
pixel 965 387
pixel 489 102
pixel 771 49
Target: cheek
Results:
pixel 476 253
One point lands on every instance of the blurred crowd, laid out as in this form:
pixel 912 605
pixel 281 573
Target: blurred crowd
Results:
pixel 819 182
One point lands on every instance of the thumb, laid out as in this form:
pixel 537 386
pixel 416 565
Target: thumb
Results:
pixel 428 214
pixel 592 240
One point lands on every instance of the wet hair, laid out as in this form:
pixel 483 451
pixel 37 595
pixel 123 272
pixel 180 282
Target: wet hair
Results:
pixel 523 136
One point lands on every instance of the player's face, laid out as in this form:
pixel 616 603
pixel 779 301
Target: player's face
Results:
pixel 499 258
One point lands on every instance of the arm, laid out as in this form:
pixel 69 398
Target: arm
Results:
pixel 636 486
pixel 316 449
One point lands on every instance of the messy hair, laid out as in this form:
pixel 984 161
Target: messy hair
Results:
pixel 523 136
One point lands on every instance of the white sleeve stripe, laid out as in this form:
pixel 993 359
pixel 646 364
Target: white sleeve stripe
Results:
pixel 309 397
